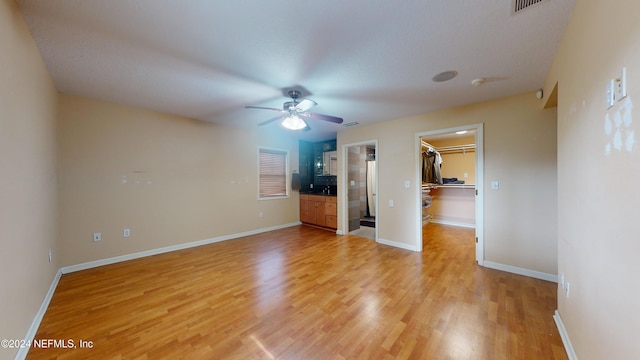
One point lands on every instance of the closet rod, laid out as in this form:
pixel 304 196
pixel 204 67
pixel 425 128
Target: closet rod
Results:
pixel 448 148
pixel 456 148
pixel 426 144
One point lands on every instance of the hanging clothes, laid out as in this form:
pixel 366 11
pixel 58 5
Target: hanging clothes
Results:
pixel 431 164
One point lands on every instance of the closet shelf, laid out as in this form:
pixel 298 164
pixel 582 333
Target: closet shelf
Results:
pixel 463 148
pixel 449 186
pixel 457 186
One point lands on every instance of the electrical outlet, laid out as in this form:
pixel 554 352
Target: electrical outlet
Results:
pixel 611 100
pixel 621 85
pixel 97 237
pixel 126 233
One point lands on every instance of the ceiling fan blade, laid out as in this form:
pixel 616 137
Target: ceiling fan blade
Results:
pixel 305 105
pixel 308 128
pixel 330 118
pixel 272 120
pixel 262 108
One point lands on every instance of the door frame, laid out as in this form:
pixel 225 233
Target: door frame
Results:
pixel 479 179
pixel 344 179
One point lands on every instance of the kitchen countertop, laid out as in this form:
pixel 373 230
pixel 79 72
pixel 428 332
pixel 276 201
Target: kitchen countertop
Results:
pixel 316 193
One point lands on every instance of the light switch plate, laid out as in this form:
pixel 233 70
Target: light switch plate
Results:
pixel 621 85
pixel 611 94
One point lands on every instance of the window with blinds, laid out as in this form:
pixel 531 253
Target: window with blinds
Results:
pixel 272 173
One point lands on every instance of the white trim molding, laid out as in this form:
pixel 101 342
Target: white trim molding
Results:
pixel 35 324
pixel 399 245
pixel 479 186
pixel 343 197
pixel 564 335
pixel 121 258
pixel 453 223
pixel 521 271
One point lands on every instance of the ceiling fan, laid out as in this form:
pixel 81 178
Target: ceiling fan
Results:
pixel 293 112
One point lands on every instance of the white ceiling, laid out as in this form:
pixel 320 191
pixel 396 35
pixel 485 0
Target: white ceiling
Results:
pixel 363 60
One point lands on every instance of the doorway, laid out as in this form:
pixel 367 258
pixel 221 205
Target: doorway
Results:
pixel 454 195
pixel 361 185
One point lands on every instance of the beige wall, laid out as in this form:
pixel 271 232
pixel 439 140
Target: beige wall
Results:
pixel 27 177
pixel 453 206
pixel 456 163
pixel 520 152
pixel 190 198
pixel 185 180
pixel 598 193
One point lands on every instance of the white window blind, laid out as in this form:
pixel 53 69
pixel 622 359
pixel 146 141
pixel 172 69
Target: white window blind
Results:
pixel 272 173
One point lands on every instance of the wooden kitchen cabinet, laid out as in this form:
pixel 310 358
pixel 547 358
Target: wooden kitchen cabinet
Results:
pixel 331 212
pixel 304 208
pixel 319 210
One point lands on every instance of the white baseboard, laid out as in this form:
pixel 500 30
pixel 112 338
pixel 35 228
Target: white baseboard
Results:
pixel 398 245
pixel 568 347
pixel 453 223
pixel 521 271
pixel 121 258
pixel 35 324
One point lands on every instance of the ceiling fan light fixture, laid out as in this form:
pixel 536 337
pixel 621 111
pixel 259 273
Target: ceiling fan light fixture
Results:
pixel 294 122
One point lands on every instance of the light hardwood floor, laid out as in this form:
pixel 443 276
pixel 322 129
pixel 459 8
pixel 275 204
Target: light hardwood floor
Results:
pixel 305 293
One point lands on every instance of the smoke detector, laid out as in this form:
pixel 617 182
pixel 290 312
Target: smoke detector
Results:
pixel 479 82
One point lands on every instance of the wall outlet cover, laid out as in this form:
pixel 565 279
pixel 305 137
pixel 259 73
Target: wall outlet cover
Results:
pixel 621 85
pixel 610 92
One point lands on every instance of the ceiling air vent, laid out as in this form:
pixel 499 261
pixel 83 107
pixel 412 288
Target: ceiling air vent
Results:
pixel 519 5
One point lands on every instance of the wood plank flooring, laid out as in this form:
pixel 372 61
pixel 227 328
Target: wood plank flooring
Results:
pixel 305 293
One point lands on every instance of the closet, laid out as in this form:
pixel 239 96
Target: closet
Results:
pixel 448 179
